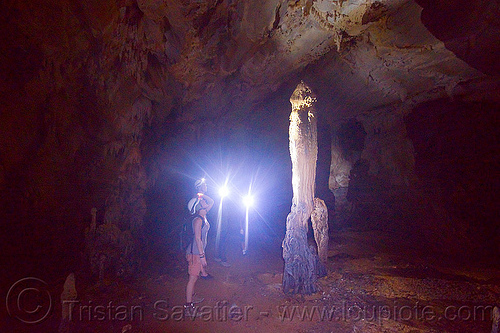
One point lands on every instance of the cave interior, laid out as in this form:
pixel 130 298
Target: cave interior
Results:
pixel 112 109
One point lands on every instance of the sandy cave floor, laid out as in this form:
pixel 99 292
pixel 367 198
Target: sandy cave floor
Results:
pixel 372 286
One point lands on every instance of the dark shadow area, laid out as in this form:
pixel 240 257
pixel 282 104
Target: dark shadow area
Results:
pixel 457 149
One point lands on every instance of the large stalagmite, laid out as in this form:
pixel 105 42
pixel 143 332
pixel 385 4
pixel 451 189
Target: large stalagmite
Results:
pixel 301 263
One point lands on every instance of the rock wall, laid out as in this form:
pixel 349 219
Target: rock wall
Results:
pixel 456 162
pixel 427 172
pixel 388 149
pixel 468 28
pixel 374 144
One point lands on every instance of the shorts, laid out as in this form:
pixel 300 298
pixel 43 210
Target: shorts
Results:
pixel 194 264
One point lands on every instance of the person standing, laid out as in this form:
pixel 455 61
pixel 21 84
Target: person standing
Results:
pixel 223 234
pixel 201 190
pixel 195 252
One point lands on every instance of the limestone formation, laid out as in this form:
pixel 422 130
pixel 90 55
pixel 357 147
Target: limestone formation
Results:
pixel 495 327
pixel 68 296
pixel 113 247
pixel 301 264
pixel 319 219
pixel 340 169
pixel 379 140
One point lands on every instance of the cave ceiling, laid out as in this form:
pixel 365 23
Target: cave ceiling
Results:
pixel 214 58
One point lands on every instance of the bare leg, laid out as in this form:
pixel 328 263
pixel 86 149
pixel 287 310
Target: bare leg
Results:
pixel 190 288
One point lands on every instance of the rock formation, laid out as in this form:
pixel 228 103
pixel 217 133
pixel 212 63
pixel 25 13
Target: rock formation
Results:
pixel 301 264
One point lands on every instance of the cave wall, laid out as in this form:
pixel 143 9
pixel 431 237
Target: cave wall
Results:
pixel 375 141
pixel 73 122
pixel 388 149
pixel 428 172
pixel 456 148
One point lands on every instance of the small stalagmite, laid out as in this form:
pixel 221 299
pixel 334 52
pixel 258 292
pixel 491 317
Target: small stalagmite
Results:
pixel 495 326
pixel 68 296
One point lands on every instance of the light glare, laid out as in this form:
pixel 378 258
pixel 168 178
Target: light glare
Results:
pixel 248 201
pixel 223 191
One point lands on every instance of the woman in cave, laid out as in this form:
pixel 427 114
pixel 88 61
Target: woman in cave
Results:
pixel 195 253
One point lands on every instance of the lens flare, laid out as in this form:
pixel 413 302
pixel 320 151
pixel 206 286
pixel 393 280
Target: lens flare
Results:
pixel 223 191
pixel 248 201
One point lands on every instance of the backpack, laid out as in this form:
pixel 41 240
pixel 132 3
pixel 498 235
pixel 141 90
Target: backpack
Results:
pixel 187 232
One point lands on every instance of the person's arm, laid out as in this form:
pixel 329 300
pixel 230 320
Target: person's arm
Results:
pixel 197 238
pixel 209 201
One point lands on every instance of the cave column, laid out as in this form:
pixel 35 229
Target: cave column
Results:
pixel 301 262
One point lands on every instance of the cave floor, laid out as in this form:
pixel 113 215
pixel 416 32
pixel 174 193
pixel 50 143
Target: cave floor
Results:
pixel 373 285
